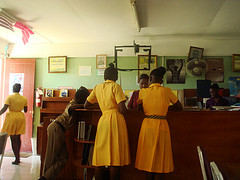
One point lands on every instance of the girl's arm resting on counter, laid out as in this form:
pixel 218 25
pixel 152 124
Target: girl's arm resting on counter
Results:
pixel 176 107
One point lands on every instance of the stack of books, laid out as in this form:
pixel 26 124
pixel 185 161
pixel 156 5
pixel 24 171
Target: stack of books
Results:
pixel 88 146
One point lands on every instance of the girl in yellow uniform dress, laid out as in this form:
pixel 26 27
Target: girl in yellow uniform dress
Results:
pixel 154 152
pixel 111 146
pixel 14 123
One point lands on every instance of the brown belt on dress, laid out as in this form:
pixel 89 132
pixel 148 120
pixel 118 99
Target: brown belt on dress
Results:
pixel 61 126
pixel 155 117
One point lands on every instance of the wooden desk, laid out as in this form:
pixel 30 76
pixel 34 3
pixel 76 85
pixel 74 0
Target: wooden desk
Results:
pixel 217 132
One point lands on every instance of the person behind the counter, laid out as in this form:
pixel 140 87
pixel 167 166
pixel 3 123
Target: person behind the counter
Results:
pixel 216 99
pixel 56 152
pixel 143 83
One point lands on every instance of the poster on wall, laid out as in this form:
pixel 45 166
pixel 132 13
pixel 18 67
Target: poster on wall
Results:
pixel 143 63
pixel 234 86
pixel 215 71
pixel 85 71
pixel 16 78
pixel 175 71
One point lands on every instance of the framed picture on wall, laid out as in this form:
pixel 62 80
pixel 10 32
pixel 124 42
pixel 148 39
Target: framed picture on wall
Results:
pixel 175 71
pixel 101 61
pixel 143 63
pixel 215 71
pixel 57 64
pixel 195 53
pixel 236 62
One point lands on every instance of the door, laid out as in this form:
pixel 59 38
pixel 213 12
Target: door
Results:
pixel 23 70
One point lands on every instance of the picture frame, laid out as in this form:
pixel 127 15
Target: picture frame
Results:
pixel 101 61
pixel 195 53
pixel 143 63
pixel 63 93
pixel 175 71
pixel 236 62
pixel 215 71
pixel 49 93
pixel 57 64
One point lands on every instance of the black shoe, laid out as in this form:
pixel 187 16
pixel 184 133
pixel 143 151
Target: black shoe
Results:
pixel 16 162
pixel 42 178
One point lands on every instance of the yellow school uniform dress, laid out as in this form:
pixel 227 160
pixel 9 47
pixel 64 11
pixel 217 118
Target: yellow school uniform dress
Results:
pixel 154 152
pixel 111 146
pixel 14 123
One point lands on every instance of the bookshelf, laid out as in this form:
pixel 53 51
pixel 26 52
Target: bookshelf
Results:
pixel 51 108
pixel 90 116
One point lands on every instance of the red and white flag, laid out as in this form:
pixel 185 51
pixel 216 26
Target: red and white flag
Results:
pixel 26 31
pixel 4 22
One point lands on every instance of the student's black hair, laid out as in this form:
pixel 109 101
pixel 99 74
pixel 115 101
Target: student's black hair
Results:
pixel 158 73
pixel 81 95
pixel 214 86
pixel 16 87
pixel 143 76
pixel 111 73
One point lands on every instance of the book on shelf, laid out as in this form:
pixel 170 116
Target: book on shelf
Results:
pixel 81 130
pixel 63 93
pixel 86 149
pixel 91 132
pixel 49 93
pixel 89 162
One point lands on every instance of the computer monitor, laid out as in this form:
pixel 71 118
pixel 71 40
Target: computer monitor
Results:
pixel 203 88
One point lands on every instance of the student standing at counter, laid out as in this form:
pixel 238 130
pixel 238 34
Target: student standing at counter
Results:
pixel 143 83
pixel 111 146
pixel 216 99
pixel 154 152
pixel 56 152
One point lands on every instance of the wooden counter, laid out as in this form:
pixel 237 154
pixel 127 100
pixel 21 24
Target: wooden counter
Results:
pixel 217 132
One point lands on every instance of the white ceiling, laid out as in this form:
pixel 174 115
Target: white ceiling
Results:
pixel 79 28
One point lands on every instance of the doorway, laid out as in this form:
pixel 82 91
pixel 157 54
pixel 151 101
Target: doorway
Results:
pixel 21 71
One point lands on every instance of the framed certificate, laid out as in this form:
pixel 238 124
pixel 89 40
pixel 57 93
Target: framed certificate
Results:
pixel 57 64
pixel 236 62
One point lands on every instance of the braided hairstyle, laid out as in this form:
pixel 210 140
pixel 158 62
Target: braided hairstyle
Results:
pixel 81 95
pixel 158 74
pixel 16 87
pixel 111 73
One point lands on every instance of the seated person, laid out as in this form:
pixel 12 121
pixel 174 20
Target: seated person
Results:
pixel 143 83
pixel 56 153
pixel 216 99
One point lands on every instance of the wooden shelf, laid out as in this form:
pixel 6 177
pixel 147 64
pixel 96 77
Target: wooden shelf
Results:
pixel 84 141
pixel 89 110
pixel 51 110
pixel 57 98
pixel 78 164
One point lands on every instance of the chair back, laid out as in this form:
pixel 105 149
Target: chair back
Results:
pixel 217 172
pixel 3 140
pixel 205 165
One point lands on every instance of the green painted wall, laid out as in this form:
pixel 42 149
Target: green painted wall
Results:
pixel 126 79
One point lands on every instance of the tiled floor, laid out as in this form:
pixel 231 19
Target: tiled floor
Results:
pixel 28 169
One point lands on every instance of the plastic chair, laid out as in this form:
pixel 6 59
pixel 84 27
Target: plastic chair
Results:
pixel 217 172
pixel 3 140
pixel 205 165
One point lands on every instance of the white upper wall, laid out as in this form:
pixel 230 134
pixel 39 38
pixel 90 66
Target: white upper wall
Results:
pixel 78 28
